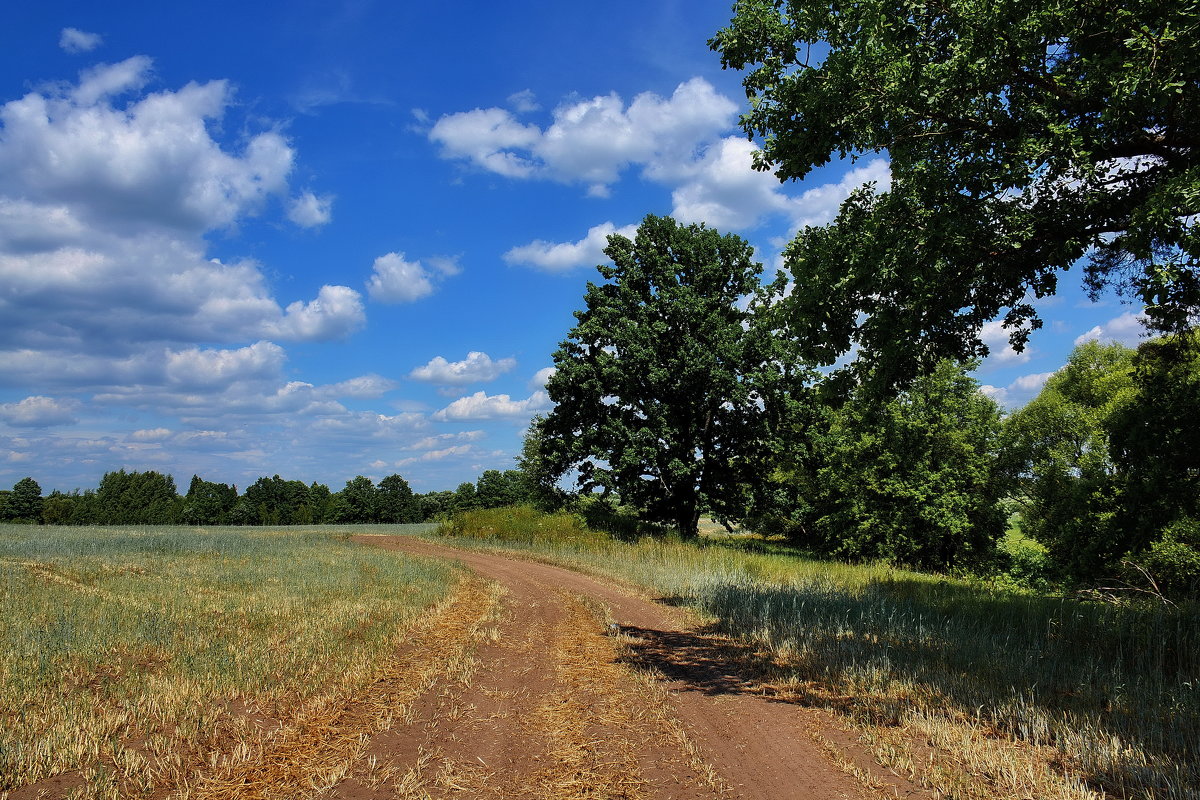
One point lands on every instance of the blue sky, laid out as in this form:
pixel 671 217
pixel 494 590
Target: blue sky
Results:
pixel 332 239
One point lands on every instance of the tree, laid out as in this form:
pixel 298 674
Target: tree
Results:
pixel 1023 136
pixel 396 502
pixel 137 498
pixel 912 479
pixel 656 388
pixel 1058 444
pixel 25 502
pixel 356 503
pixel 208 503
pixel 539 478
pixel 496 489
pixel 1108 457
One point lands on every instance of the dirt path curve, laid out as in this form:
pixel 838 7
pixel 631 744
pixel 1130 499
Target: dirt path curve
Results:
pixel 552 712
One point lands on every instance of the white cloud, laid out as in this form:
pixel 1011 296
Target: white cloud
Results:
pixel 680 141
pixel 198 369
pixel 74 40
pixel 477 367
pixel 542 377
pixel 310 211
pixel 364 386
pixel 151 162
pixel 484 137
pixel 592 140
pixel 150 435
pixel 481 406
pixel 563 256
pixel 395 280
pixel 995 336
pixel 524 101
pixel 1127 329
pixel 437 455
pixel 39 412
pixel 336 312
pixel 819 205
pixel 1019 392
pixel 441 439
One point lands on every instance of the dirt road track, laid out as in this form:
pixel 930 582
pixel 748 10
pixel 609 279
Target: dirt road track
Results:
pixel 552 711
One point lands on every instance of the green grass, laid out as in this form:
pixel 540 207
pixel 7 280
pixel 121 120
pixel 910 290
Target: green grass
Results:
pixel 1113 691
pixel 116 643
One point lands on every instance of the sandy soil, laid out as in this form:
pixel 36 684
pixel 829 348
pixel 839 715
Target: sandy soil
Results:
pixel 687 722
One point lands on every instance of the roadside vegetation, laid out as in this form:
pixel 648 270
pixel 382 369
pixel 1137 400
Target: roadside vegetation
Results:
pixel 977 690
pixel 129 657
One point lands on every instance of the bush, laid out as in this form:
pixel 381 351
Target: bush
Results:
pixel 517 524
pixel 1174 560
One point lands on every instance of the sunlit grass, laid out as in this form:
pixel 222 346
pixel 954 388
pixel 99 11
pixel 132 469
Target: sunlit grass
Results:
pixel 1100 698
pixel 128 654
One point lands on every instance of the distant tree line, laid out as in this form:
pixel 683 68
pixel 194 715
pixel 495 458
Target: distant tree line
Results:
pixel 151 498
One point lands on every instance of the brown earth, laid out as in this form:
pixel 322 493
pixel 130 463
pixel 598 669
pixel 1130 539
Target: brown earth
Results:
pixel 657 708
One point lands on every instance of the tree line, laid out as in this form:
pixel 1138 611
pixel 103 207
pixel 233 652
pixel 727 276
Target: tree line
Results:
pixel 151 498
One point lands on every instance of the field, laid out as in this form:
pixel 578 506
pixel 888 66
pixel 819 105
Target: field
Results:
pixel 976 693
pixel 204 662
pixel 129 657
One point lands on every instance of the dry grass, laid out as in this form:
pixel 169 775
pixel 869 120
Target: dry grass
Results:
pixel 129 657
pixel 319 748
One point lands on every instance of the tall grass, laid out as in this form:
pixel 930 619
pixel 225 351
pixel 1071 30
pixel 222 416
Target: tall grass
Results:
pixel 124 652
pixel 1112 691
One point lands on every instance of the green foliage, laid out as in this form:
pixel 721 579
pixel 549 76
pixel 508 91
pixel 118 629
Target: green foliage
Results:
pixel 912 479
pixel 208 503
pixel 1174 560
pixel 395 501
pixel 24 503
pixel 657 387
pixel 1058 447
pixel 517 524
pixel 356 503
pixel 1022 137
pixel 136 498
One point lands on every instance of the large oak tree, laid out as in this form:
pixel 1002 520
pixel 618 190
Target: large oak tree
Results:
pixel 659 388
pixel 1024 136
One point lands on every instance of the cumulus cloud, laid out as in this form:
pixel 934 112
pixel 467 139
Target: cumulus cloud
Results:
pixel 995 336
pixel 150 435
pixel 1019 392
pixel 151 162
pixel 103 210
pixel 336 312
pixel 681 141
pixel 477 367
pixel 395 280
pixel 542 377
pixel 590 140
pixel 564 256
pixel 310 211
pixel 197 369
pixel 481 406
pixel 74 40
pixel 1127 329
pixel 39 412
pixel 524 101
pixel 364 386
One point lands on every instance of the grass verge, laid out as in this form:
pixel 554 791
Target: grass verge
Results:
pixel 976 693
pixel 130 656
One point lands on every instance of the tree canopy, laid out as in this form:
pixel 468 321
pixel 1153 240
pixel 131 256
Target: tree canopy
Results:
pixel 657 389
pixel 1023 137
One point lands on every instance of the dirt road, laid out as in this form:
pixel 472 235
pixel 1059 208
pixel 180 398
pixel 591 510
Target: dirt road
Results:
pixel 581 689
